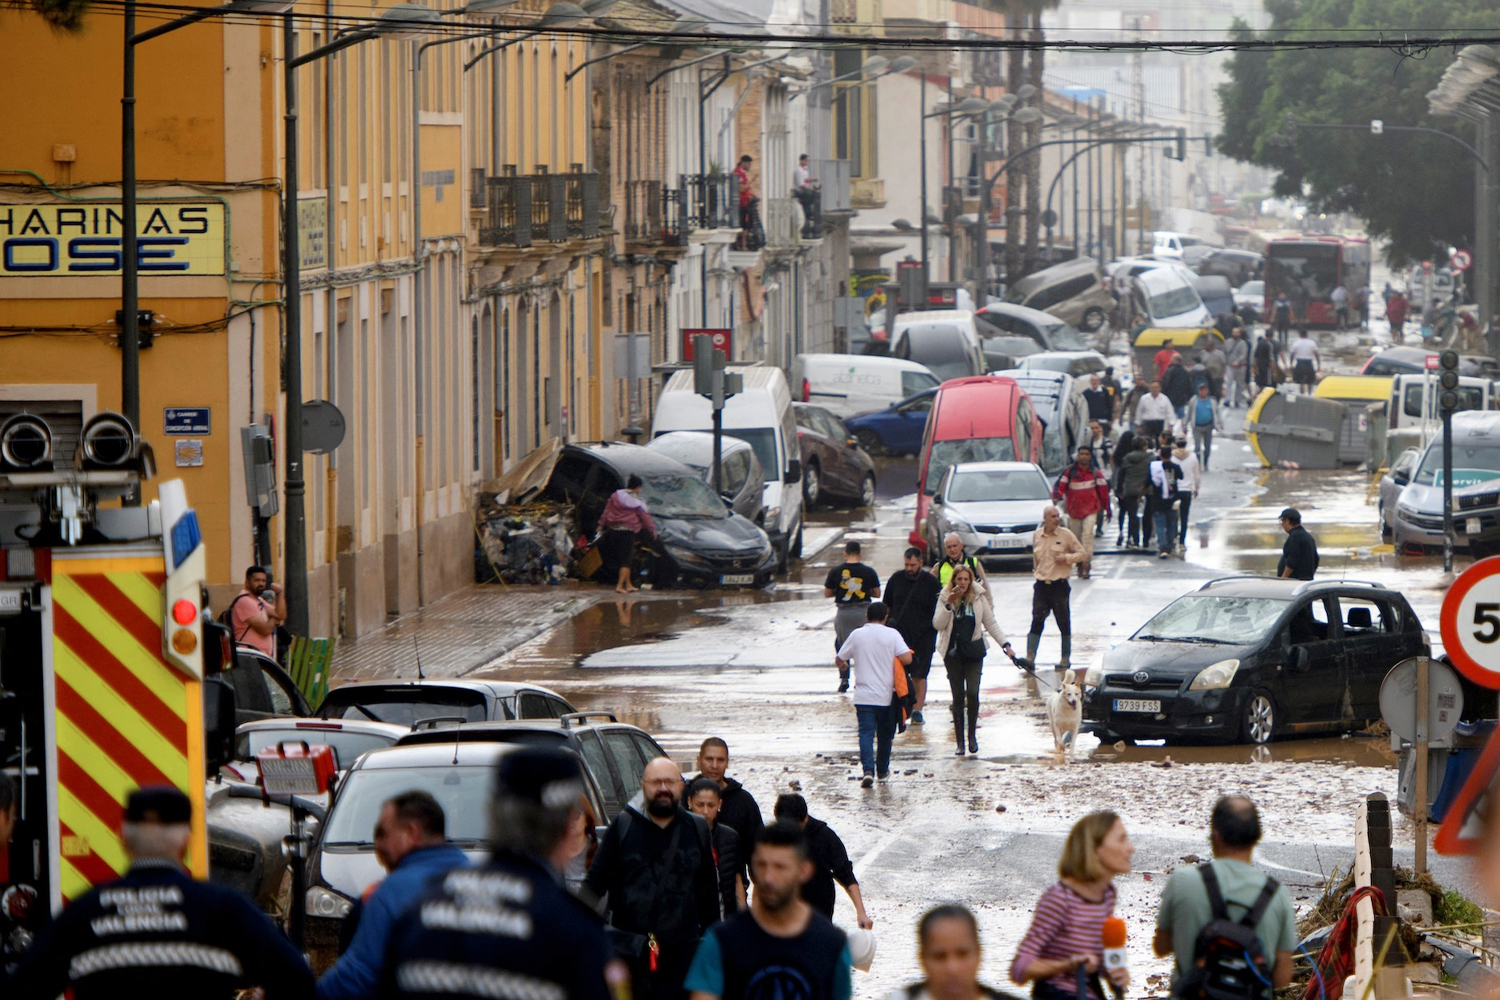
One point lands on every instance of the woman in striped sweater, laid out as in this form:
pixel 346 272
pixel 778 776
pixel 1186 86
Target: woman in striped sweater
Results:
pixel 1067 927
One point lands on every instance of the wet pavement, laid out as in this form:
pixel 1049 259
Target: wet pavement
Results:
pixel 755 667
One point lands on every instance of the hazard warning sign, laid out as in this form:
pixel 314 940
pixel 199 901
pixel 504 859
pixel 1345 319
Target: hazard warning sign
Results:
pixel 1463 826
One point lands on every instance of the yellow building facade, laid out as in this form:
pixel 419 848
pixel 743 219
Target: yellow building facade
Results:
pixel 451 360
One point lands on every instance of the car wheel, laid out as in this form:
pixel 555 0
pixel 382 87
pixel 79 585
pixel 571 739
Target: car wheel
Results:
pixel 869 441
pixel 1258 719
pixel 1093 320
pixel 867 491
pixel 812 484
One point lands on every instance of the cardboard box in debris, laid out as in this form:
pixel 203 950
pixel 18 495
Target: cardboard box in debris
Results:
pixel 522 543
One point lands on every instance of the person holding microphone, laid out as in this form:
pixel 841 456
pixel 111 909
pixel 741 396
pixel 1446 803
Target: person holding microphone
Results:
pixel 1064 947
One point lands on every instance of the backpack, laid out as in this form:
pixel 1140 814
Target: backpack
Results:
pixel 1229 962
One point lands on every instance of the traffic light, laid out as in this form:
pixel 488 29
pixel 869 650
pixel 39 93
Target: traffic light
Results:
pixel 1448 381
pixel 1179 150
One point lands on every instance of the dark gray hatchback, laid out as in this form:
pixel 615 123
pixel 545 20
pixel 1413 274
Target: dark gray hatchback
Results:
pixel 1246 659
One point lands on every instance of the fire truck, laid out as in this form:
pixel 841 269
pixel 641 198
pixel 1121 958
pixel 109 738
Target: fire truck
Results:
pixel 104 648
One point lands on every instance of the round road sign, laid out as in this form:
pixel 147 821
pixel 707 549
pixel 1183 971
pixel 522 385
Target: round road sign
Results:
pixel 1470 622
pixel 1398 699
pixel 1460 260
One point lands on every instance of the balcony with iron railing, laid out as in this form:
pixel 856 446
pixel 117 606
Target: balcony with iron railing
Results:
pixel 654 214
pixel 524 209
pixel 712 200
pixel 833 178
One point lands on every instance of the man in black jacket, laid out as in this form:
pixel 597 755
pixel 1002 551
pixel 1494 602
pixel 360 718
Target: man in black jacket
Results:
pixel 1299 554
pixel 912 596
pixel 830 860
pixel 656 868
pixel 704 798
pixel 738 809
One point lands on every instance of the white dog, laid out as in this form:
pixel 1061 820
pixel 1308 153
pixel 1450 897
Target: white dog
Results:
pixel 1065 714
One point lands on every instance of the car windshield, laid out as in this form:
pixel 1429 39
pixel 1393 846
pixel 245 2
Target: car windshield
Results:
pixel 1253 289
pixel 347 746
pixel 946 454
pixel 1174 302
pixel 404 706
pixel 462 790
pixel 1208 618
pixel 1470 397
pixel 940 346
pixel 1472 464
pixel 969 487
pixel 681 496
pixel 1016 347
pixel 1065 337
pixel 762 440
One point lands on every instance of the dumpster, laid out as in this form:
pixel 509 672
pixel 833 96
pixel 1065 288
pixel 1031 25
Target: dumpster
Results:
pixel 1151 339
pixel 1294 431
pixel 1358 391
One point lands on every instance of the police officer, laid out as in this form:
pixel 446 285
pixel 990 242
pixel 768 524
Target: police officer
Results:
pixel 156 931
pixel 510 928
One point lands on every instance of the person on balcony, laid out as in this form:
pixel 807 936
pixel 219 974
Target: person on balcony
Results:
pixel 805 190
pixel 753 235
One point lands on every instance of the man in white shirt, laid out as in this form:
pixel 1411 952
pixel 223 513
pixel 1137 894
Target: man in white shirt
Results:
pixel 872 651
pixel 1305 361
pixel 1154 412
pixel 1341 305
pixel 805 190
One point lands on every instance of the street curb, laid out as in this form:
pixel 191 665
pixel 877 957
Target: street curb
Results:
pixel 833 537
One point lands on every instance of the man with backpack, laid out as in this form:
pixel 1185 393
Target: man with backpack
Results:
pixel 253 620
pixel 1230 925
pixel 1083 493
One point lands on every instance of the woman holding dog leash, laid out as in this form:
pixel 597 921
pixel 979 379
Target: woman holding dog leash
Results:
pixel 1064 945
pixel 963 615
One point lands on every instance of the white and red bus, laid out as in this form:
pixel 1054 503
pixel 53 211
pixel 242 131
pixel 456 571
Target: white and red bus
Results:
pixel 1308 268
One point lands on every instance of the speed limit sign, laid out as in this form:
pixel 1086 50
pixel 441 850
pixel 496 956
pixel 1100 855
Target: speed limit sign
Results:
pixel 1470 622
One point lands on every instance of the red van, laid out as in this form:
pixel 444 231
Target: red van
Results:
pixel 982 418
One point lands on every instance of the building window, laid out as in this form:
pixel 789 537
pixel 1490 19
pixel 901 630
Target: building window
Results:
pixel 853 116
pixel 474 389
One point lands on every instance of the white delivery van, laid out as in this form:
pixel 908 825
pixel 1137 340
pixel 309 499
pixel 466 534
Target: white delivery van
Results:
pixel 1168 245
pixel 1412 414
pixel 850 384
pixel 944 340
pixel 1167 300
pixel 762 417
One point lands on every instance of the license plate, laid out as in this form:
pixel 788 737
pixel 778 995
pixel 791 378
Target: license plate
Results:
pixel 1472 526
pixel 1010 542
pixel 736 579
pixel 1136 705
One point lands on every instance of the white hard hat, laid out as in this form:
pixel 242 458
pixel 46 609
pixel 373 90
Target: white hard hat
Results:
pixel 862 949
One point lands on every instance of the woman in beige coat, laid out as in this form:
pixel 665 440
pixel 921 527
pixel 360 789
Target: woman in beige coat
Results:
pixel 963 615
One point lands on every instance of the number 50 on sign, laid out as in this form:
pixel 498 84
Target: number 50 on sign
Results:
pixel 1470 622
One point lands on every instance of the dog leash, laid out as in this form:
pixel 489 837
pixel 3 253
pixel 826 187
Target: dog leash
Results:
pixel 1027 666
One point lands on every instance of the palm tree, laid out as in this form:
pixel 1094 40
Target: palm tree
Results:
pixel 1023 19
pixel 64 15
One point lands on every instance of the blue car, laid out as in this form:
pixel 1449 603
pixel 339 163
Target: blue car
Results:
pixel 895 430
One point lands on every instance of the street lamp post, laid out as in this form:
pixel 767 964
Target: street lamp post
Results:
pixel 968 106
pixel 1022 115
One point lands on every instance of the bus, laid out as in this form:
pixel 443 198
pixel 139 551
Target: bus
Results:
pixel 1308 267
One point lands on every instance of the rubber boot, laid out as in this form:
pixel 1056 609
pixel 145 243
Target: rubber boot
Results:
pixel 958 728
pixel 974 729
pixel 1067 648
pixel 1033 640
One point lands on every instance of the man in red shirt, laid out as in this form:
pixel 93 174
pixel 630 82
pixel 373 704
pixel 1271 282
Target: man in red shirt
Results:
pixel 1083 493
pixel 1163 357
pixel 743 173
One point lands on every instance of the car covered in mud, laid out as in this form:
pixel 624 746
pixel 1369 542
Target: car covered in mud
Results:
pixel 1248 659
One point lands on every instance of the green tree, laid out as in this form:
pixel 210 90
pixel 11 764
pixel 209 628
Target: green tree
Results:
pixel 1411 190
pixel 64 15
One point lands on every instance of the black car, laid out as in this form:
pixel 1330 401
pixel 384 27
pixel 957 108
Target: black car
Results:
pixel 441 702
pixel 702 542
pixel 834 466
pixel 1246 659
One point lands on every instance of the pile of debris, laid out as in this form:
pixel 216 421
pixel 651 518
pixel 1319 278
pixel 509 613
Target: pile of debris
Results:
pixel 522 543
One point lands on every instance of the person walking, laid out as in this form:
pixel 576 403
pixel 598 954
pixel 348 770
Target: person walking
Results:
pixel 781 946
pixel 703 798
pixel 1177 386
pixel 1083 492
pixel 954 557
pixel 411 844
pixel 1116 392
pixel 830 861
pixel 1305 361
pixel 1054 552
pixel 1229 887
pixel 253 620
pixel 458 940
pixel 1299 553
pixel 1216 362
pixel 1188 485
pixel 1396 310
pixel 655 871
pixel 949 950
pixel 1100 401
pixel 913 596
pixel 1340 300
pixel 624 520
pixel 852 585
pixel 1236 367
pixel 738 809
pixel 1205 418
pixel 1153 411
pixel 872 651
pixel 1265 360
pixel 157 931
pixel 963 615
pixel 1161 500
pixel 1104 453
pixel 1281 315
pixel 1163 357
pixel 1135 479
pixel 1067 924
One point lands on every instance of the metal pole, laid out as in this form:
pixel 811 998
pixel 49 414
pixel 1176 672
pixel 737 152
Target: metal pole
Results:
pixel 130 329
pixel 702 198
pixel 922 209
pixel 1114 203
pixel 1421 810
pixel 295 528
pixel 947 222
pixel 1447 501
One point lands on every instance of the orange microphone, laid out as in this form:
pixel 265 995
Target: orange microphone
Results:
pixel 1114 950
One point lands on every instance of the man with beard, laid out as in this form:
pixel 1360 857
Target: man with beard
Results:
pixel 253 620
pixel 912 596
pixel 780 947
pixel 656 869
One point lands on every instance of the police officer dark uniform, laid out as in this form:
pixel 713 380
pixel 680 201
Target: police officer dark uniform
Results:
pixel 157 931
pixel 509 929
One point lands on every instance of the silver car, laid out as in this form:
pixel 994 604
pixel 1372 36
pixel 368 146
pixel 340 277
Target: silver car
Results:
pixel 993 507
pixel 1391 484
pixel 1418 520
